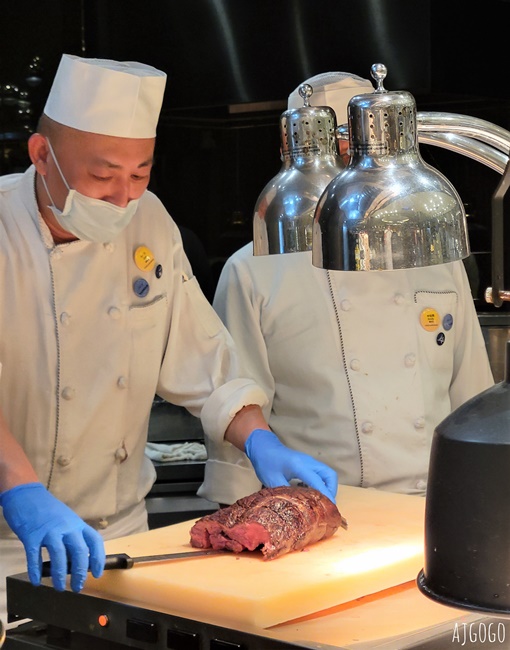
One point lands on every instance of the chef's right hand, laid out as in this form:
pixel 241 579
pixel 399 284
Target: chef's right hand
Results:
pixel 275 464
pixel 40 520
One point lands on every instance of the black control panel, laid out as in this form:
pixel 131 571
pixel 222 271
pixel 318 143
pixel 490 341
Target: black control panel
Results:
pixel 81 622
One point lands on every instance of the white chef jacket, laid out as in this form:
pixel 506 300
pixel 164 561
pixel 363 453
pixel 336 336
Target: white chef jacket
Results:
pixel 83 355
pixel 351 375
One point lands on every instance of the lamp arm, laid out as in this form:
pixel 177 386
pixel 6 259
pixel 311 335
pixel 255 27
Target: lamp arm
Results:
pixel 472 127
pixel 489 144
pixel 496 294
pixel 478 151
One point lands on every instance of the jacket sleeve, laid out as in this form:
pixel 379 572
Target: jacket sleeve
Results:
pixel 239 303
pixel 200 369
pixel 472 372
pixel 229 474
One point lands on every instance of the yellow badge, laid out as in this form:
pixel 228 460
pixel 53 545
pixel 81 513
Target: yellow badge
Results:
pixel 429 319
pixel 144 259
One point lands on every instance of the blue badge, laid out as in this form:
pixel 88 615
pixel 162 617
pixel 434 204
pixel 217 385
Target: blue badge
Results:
pixel 141 287
pixel 440 338
pixel 448 322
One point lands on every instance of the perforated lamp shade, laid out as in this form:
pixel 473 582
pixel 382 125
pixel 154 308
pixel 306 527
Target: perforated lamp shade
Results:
pixel 283 217
pixel 388 209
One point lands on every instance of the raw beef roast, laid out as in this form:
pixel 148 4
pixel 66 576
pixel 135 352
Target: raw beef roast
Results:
pixel 274 520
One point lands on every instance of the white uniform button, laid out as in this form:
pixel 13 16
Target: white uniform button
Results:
pixel 122 382
pixel 63 461
pixel 419 423
pixel 56 254
pixel 367 427
pixel 108 246
pixel 421 485
pixel 345 305
pixel 102 524
pixel 121 454
pixel 65 318
pixel 114 312
pixel 68 392
pixel 399 299
pixel 355 364
pixel 410 360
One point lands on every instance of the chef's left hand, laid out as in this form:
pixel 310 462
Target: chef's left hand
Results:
pixel 275 464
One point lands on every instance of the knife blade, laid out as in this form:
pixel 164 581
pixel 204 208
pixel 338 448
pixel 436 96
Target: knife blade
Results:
pixel 125 561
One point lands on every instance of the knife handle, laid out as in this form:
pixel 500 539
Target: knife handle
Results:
pixel 114 561
pixel 118 561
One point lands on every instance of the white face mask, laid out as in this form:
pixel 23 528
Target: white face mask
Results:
pixel 87 218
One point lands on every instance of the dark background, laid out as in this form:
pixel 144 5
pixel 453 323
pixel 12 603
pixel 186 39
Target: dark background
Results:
pixel 231 65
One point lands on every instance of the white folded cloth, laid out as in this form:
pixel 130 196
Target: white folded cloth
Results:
pixel 176 451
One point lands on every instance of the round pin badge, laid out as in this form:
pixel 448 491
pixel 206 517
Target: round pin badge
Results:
pixel 448 322
pixel 144 258
pixel 159 271
pixel 141 287
pixel 429 319
pixel 440 338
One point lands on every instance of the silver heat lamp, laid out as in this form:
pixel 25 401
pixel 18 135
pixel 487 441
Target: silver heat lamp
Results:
pixel 388 209
pixel 284 211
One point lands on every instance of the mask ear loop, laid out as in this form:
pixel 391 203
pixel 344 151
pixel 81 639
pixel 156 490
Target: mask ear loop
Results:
pixel 47 192
pixel 57 165
pixel 59 171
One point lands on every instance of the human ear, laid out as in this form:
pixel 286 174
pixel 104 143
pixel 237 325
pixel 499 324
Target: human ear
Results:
pixel 38 152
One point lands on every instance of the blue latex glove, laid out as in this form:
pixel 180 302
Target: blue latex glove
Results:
pixel 40 520
pixel 275 464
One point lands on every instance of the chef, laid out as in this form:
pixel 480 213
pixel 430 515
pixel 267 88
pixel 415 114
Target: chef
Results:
pixel 358 367
pixel 100 312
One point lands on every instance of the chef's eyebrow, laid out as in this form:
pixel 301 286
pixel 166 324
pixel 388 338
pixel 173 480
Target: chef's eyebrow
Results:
pixel 108 163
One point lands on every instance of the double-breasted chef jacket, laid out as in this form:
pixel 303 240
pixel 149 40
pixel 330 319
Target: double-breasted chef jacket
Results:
pixel 87 338
pixel 358 367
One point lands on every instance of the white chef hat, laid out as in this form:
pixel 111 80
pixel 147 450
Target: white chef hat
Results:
pixel 333 89
pixel 108 97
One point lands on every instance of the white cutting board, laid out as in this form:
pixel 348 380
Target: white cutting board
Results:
pixel 383 547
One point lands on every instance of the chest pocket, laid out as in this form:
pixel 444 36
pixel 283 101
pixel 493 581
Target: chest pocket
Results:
pixel 436 314
pixel 148 326
pixel 148 316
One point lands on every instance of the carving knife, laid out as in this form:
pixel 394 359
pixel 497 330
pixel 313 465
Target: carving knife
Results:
pixel 124 561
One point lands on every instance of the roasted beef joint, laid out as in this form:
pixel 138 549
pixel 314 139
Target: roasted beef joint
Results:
pixel 273 520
